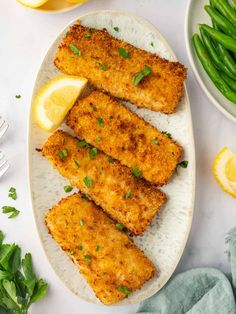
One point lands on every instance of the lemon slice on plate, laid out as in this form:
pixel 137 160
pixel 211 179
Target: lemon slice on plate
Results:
pixel 32 3
pixel 55 99
pixel 76 1
pixel 224 169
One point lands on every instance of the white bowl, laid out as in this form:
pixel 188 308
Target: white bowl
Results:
pixel 195 15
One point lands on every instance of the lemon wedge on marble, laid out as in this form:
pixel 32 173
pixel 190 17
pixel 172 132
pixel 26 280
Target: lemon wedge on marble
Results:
pixel 224 169
pixel 32 3
pixel 55 99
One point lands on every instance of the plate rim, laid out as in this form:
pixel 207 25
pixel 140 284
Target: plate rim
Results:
pixel 191 151
pixel 195 69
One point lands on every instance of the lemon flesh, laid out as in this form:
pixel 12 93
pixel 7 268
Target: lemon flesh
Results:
pixel 55 100
pixel 32 3
pixel 77 1
pixel 224 169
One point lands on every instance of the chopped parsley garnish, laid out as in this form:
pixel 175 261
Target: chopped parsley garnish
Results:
pixel 81 222
pixel 167 133
pixel 97 248
pixel 72 252
pixel 88 35
pixel 141 75
pixel 110 160
pixel 98 139
pixel 75 50
pixel 94 108
pixel 87 259
pixel 93 151
pixel 102 66
pixel 77 163
pixel 136 172
pixel 100 122
pixel 8 209
pixel 128 194
pixel 154 141
pixel 116 28
pixel 83 144
pixel 68 188
pixel 63 153
pixel 120 226
pixel 84 195
pixel 183 164
pixel 123 289
pixel 88 181
pixel 152 44
pixel 80 247
pixel 123 53
pixel 12 193
pixel 67 33
pixel 18 96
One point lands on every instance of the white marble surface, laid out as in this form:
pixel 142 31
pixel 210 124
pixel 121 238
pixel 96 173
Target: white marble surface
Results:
pixel 24 38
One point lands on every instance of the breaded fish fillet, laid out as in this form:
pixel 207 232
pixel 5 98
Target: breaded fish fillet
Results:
pixel 110 262
pixel 111 65
pixel 130 201
pixel 124 136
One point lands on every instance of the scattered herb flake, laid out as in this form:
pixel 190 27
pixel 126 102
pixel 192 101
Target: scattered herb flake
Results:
pixel 100 122
pixel 136 172
pixel 75 50
pixel 77 163
pixel 8 209
pixel 97 248
pixel 154 141
pixel 88 181
pixel 128 194
pixel 102 66
pixel 123 53
pixel 94 108
pixel 152 44
pixel 110 160
pixel 68 188
pixel 98 139
pixel 80 247
pixel 81 222
pixel 120 226
pixel 63 153
pixel 18 96
pixel 183 164
pixel 12 193
pixel 67 33
pixel 93 152
pixel 116 28
pixel 72 252
pixel 123 289
pixel 83 144
pixel 87 259
pixel 167 133
pixel 88 35
pixel 141 75
pixel 84 195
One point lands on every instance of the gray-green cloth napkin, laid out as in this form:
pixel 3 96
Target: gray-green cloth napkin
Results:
pixel 197 291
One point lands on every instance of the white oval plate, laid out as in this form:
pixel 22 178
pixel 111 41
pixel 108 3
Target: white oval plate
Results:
pixel 165 239
pixel 195 14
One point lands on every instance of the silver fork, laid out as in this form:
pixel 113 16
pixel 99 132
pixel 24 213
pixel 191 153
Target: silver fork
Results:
pixel 3 127
pixel 4 164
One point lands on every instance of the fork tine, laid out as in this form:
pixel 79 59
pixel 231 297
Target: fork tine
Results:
pixel 3 168
pixel 3 127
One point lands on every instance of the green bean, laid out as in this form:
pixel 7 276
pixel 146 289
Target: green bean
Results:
pixel 213 54
pixel 211 70
pixel 229 81
pixel 223 24
pixel 225 40
pixel 225 8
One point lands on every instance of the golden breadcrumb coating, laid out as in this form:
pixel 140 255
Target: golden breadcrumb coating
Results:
pixel 110 262
pixel 125 136
pixel 94 54
pixel 128 200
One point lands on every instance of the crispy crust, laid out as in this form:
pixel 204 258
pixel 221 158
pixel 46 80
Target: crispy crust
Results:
pixel 160 91
pixel 125 136
pixel 115 259
pixel 111 182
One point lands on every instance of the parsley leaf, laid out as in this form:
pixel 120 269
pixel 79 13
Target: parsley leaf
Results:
pixel 8 209
pixel 123 53
pixel 12 193
pixel 120 226
pixel 123 289
pixel 102 66
pixel 183 164
pixel 136 172
pixel 93 152
pixel 75 50
pixel 167 133
pixel 141 75
pixel 88 181
pixel 116 28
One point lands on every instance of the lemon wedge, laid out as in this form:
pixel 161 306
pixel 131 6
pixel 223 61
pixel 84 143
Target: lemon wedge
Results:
pixel 32 3
pixel 55 99
pixel 224 169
